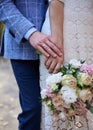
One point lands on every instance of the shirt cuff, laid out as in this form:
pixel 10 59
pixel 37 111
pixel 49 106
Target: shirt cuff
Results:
pixel 29 33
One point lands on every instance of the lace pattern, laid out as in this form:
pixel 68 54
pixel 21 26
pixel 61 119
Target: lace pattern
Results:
pixel 78 44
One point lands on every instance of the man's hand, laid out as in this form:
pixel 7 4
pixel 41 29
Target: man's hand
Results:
pixel 45 44
pixel 54 64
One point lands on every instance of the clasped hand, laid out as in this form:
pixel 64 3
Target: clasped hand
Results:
pixel 54 64
pixel 50 49
pixel 45 44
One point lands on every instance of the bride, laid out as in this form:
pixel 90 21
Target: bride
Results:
pixel 71 20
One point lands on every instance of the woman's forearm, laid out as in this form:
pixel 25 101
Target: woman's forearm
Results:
pixel 56 10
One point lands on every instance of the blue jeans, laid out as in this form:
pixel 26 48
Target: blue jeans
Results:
pixel 27 76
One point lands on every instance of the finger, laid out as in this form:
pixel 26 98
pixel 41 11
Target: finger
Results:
pixel 48 63
pixel 46 59
pixel 56 44
pixel 43 51
pixel 48 50
pixel 54 47
pixel 57 68
pixel 52 66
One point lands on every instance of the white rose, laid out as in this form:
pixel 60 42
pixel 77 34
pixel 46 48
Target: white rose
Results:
pixel 54 87
pixel 68 94
pixel 85 94
pixel 43 93
pixel 84 79
pixel 54 78
pixel 75 63
pixel 69 80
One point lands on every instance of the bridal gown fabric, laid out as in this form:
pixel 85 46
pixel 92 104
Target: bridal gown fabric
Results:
pixel 78 44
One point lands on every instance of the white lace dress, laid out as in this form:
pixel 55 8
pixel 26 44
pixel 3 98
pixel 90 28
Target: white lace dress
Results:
pixel 78 44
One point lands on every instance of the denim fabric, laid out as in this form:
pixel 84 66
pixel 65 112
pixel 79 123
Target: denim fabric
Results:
pixel 27 76
pixel 19 17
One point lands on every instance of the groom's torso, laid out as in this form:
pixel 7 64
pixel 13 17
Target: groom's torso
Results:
pixel 34 11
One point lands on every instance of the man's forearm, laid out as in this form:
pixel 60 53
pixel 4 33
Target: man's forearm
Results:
pixel 56 20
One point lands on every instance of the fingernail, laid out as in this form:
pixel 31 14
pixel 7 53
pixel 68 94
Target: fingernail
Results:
pixel 54 72
pixel 55 55
pixel 60 54
pixel 48 55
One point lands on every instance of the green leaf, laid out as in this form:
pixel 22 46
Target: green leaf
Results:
pixel 38 52
pixel 89 107
pixel 82 61
pixel 63 70
pixel 69 66
pixel 69 71
pixel 72 106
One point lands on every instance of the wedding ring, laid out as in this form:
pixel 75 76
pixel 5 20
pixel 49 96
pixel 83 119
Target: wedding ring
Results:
pixel 44 45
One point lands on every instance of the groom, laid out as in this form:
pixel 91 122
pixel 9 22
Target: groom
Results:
pixel 23 21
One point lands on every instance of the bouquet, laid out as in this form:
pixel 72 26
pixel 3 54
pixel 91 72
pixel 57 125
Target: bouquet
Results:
pixel 70 92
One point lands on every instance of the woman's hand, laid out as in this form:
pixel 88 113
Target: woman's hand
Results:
pixel 56 11
pixel 54 64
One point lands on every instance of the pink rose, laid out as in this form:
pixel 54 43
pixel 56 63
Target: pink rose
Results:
pixel 87 69
pixel 57 100
pixel 48 92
